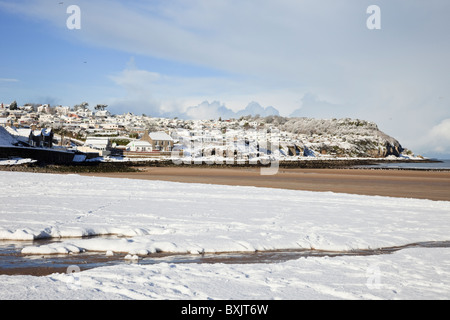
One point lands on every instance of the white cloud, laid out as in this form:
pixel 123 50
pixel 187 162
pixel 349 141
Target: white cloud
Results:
pixel 156 94
pixel 207 110
pixel 439 137
pixel 216 109
pixel 8 80
pixel 442 130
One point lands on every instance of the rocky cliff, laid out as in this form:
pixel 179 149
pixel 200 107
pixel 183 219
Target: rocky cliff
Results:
pixel 343 137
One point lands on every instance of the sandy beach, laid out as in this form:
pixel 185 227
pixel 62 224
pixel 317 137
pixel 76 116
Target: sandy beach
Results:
pixel 433 185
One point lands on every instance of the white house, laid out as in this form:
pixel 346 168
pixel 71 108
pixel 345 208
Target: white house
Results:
pixel 154 141
pixel 60 110
pixel 45 108
pixel 85 113
pixel 3 122
pixel 110 126
pixel 101 145
pixel 139 146
pixel 160 141
pixel 103 114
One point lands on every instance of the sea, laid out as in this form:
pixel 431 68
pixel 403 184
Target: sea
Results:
pixel 435 164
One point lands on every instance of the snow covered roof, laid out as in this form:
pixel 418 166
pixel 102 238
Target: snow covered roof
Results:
pixel 98 142
pixel 47 132
pixel 139 143
pixel 6 139
pixel 19 134
pixel 160 136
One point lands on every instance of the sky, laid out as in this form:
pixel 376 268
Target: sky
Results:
pixel 207 58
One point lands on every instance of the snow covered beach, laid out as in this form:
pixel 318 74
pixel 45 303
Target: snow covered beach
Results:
pixel 154 216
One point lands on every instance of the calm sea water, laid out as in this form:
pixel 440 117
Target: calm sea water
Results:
pixel 441 165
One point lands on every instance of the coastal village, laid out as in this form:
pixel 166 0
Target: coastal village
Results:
pixel 93 134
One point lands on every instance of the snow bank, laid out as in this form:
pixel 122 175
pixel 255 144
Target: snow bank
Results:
pixel 16 161
pixel 54 248
pixel 155 216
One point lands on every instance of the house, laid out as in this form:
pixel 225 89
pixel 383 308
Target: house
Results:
pixel 103 114
pixel 25 120
pixel 41 138
pixel 159 141
pixel 62 111
pixel 47 137
pixel 45 108
pixel 3 122
pixel 35 138
pixel 101 145
pixel 84 113
pixel 139 146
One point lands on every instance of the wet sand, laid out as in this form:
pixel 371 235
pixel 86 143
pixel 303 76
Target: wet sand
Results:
pixel 433 185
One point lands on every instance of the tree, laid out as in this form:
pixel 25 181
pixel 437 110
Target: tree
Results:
pixel 101 107
pixel 83 106
pixel 13 105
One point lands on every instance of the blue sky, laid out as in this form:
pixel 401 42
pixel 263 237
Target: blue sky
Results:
pixel 313 58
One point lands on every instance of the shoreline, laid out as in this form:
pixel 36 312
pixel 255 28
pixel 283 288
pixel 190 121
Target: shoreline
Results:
pixel 132 165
